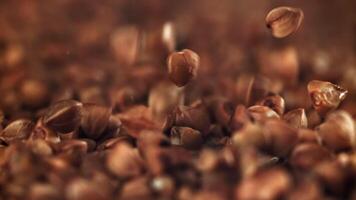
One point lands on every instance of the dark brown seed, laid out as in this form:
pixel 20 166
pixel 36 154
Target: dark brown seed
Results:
pixel 262 113
pixel 163 98
pixel 280 137
pixel 314 119
pixel 183 66
pixel 124 97
pixel 124 161
pixel 111 143
pixel 212 195
pixel 269 184
pixel 63 116
pixel 154 157
pixel 95 119
pixel 332 175
pixel 114 126
pixel 159 43
pixel 296 118
pixel 284 21
pixel 250 88
pixel 307 189
pixel 64 93
pixel 220 110
pixel 2 117
pixel 306 156
pixel 68 146
pixel 138 119
pixel 308 136
pixel 160 160
pixel 34 93
pixel 325 96
pixel 126 43
pixel 93 94
pixel 240 118
pixel 17 130
pixel 70 135
pixel 195 117
pixel 275 102
pixel 186 137
pixel 338 131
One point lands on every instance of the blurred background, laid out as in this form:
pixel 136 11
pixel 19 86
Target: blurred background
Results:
pixel 51 50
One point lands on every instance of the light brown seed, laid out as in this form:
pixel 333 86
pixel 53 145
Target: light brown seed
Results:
pixel 40 147
pixel 124 161
pixel 250 135
pixel 262 113
pixel 77 145
pixel 149 139
pixel 186 137
pixel 17 130
pixel 325 96
pixel 281 65
pixel 43 191
pixel 126 43
pixel 275 102
pixel 163 98
pixel 169 36
pixel 137 188
pixel 42 132
pixel 195 117
pixel 284 21
pixel 296 118
pixel 80 188
pixel 111 143
pixel 164 185
pixel 34 93
pixel 183 66
pixel 269 184
pixel 137 119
